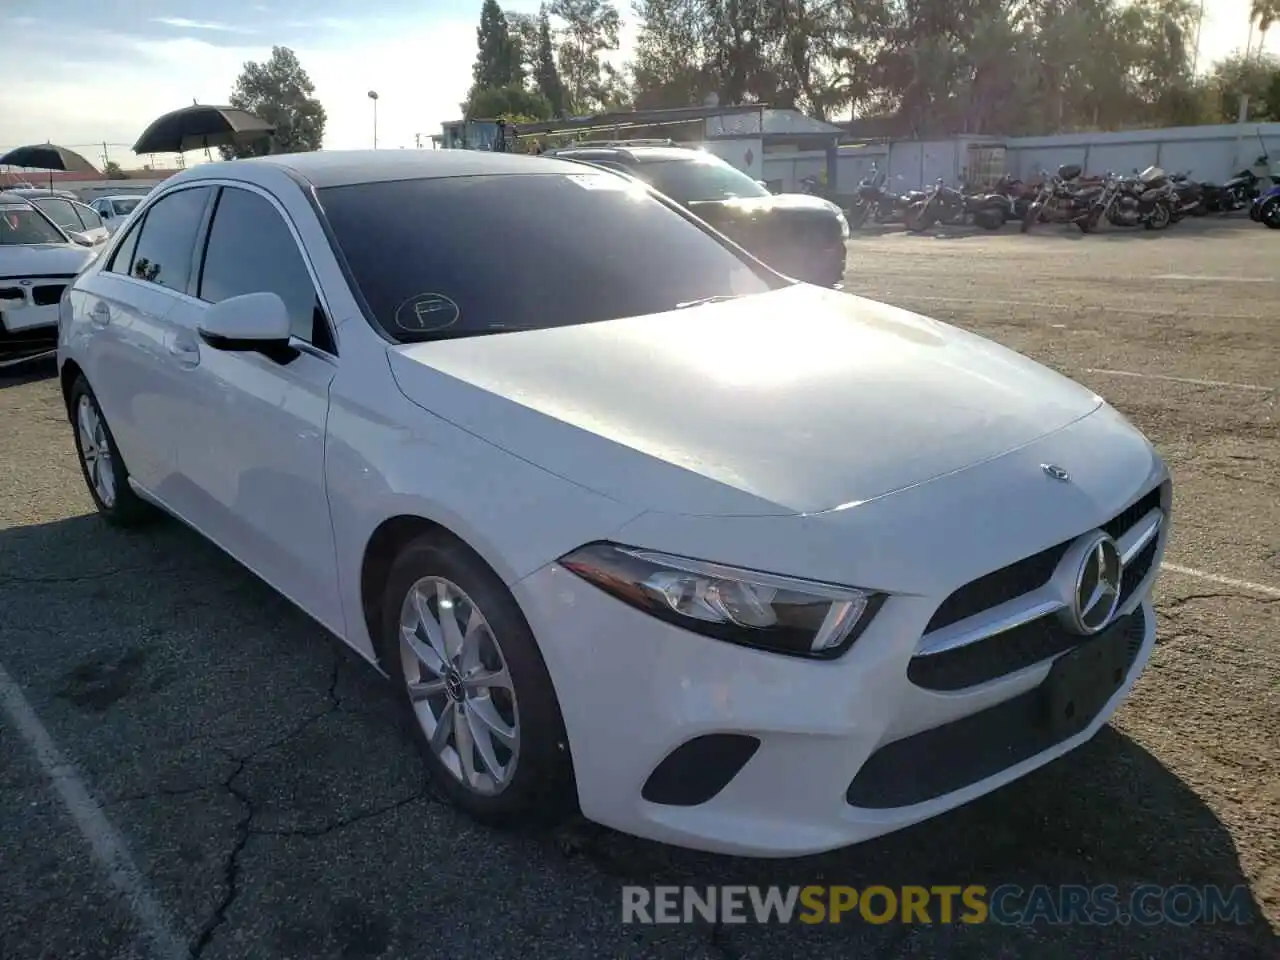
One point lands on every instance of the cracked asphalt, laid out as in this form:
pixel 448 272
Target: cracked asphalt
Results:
pixel 261 781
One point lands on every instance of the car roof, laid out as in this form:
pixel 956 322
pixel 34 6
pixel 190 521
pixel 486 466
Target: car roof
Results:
pixel 8 196
pixel 337 168
pixel 639 153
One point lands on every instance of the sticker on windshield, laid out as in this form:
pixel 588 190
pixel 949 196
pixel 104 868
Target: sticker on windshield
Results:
pixel 598 181
pixel 427 313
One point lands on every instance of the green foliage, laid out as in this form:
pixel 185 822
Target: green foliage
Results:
pixel 280 92
pixel 498 56
pixel 112 171
pixel 490 103
pixel 1257 77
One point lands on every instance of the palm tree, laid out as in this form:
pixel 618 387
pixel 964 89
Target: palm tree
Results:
pixel 1264 13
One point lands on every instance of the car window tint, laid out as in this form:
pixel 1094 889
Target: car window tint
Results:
pixel 125 207
pixel 61 212
pixel 252 250
pixel 88 216
pixel 122 260
pixel 168 239
pixel 461 256
pixel 701 177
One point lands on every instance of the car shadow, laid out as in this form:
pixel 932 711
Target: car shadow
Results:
pixel 32 371
pixel 1109 813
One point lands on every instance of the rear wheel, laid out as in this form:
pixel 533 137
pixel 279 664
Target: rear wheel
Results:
pixel 920 217
pixel 477 696
pixel 858 215
pixel 1270 213
pixel 1029 217
pixel 101 464
pixel 989 218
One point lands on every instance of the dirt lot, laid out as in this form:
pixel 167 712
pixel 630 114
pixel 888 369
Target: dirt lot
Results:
pixel 251 768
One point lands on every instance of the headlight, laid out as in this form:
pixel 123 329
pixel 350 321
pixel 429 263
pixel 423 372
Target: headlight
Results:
pixel 780 614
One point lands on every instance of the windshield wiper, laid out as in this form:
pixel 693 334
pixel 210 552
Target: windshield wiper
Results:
pixel 718 298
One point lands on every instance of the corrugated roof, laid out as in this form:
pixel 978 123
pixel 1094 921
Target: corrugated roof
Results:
pixel 776 123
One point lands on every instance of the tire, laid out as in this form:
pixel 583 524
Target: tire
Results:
pixel 858 215
pixel 1269 215
pixel 96 449
pixel 539 790
pixel 1160 218
pixel 918 218
pixel 989 218
pixel 1029 218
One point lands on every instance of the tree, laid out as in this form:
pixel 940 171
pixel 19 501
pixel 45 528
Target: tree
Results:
pixel 546 75
pixel 498 55
pixel 1251 75
pixel 524 33
pixel 112 171
pixel 280 92
pixel 491 103
pixel 590 28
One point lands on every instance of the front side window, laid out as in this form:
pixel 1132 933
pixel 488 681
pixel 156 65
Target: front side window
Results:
pixel 699 178
pixel 88 216
pixel 252 250
pixel 167 239
pixel 466 256
pixel 21 223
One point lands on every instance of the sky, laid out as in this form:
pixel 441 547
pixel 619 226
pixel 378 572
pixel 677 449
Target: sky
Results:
pixel 104 71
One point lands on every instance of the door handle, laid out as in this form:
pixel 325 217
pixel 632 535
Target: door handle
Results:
pixel 186 352
pixel 100 315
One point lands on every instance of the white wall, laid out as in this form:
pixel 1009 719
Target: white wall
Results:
pixel 745 153
pixel 1207 153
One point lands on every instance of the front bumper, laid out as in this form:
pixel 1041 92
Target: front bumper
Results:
pixel 28 322
pixel 847 750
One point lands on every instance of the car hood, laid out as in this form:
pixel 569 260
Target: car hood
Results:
pixel 43 259
pixel 795 401
pixel 791 205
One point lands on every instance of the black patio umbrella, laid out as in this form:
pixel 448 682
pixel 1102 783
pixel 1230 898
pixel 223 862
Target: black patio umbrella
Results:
pixel 48 156
pixel 200 126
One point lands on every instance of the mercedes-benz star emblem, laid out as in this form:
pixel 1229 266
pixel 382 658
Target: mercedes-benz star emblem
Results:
pixel 1097 587
pixel 1055 471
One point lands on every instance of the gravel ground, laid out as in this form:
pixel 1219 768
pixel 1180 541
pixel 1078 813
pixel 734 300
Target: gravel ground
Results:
pixel 254 770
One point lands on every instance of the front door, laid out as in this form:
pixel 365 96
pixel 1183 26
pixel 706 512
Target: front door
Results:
pixel 253 453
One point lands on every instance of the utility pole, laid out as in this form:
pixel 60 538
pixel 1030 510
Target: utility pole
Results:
pixel 417 141
pixel 1195 51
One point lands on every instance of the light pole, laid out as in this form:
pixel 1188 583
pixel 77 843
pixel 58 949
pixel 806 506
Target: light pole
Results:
pixel 373 95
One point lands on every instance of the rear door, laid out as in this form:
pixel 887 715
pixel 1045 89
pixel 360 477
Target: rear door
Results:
pixel 124 308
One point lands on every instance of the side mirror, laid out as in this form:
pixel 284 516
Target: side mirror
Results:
pixel 251 322
pixel 763 184
pixel 80 239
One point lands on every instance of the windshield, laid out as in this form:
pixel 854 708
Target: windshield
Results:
pixel 22 224
pixel 464 256
pixel 702 177
pixel 123 207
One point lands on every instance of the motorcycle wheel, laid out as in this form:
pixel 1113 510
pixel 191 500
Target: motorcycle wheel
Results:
pixel 989 218
pixel 1270 214
pixel 858 216
pixel 1160 218
pixel 1029 218
pixel 918 219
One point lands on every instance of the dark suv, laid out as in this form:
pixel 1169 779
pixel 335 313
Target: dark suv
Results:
pixel 799 235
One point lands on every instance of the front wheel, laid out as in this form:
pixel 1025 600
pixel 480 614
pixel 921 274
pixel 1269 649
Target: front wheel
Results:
pixel 477 695
pixel 1029 217
pixel 919 217
pixel 1270 214
pixel 101 464
pixel 1159 219
pixel 858 215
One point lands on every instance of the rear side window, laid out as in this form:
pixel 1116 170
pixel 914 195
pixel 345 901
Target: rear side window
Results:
pixel 61 212
pixel 252 250
pixel 466 256
pixel 122 260
pixel 166 243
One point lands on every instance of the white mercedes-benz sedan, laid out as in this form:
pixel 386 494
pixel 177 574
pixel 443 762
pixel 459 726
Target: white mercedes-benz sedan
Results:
pixel 633 524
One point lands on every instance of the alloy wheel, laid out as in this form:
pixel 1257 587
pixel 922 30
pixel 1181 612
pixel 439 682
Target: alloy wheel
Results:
pixel 95 451
pixel 459 685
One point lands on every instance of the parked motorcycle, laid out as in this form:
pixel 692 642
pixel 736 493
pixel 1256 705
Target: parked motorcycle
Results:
pixel 1188 197
pixel 877 204
pixel 1147 200
pixel 947 205
pixel 1238 193
pixel 1060 200
pixel 1266 209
